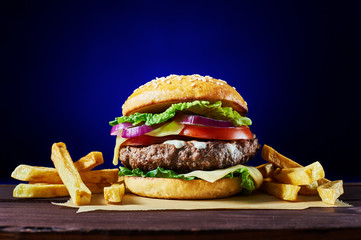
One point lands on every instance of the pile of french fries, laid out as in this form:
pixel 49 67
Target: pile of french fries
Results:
pixel 68 178
pixel 285 178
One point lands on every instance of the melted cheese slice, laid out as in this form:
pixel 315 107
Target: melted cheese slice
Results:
pixel 172 128
pixel 212 176
pixel 118 142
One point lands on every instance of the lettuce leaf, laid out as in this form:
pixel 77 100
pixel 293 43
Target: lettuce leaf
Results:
pixel 204 108
pixel 158 173
pixel 247 182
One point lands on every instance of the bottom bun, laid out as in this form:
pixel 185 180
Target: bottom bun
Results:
pixel 171 188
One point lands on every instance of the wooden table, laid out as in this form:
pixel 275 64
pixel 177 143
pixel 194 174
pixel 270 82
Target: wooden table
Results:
pixel 38 218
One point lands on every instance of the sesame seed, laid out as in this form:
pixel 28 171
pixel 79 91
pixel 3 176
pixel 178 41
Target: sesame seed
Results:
pixel 190 78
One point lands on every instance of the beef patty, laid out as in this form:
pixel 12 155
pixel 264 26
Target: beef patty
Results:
pixel 193 155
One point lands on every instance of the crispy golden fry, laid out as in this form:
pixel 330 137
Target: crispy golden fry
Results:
pixel 36 174
pixel 277 159
pixel 39 190
pixel 114 193
pixel 89 161
pixel 93 187
pixel 300 175
pixel 322 181
pixel 101 176
pixel 266 170
pixel 309 178
pixel 63 163
pixel 272 156
pixel 50 175
pixel 280 190
pixel 120 179
pixel 47 175
pixel 329 192
pixel 309 189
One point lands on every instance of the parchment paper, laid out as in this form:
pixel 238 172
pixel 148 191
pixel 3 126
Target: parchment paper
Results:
pixel 256 201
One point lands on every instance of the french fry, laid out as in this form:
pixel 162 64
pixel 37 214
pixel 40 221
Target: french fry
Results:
pixel 272 156
pixel 114 193
pixel 277 159
pixel 329 192
pixel 101 176
pixel 309 189
pixel 50 175
pixel 280 190
pixel 322 181
pixel 300 175
pixel 310 178
pixel 47 175
pixel 120 179
pixel 266 170
pixel 39 190
pixel 63 163
pixel 36 174
pixel 93 187
pixel 45 190
pixel 88 162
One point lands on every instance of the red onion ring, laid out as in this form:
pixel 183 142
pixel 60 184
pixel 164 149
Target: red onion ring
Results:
pixel 136 131
pixel 199 120
pixel 117 128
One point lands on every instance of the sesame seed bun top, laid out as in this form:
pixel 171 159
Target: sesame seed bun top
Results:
pixel 158 94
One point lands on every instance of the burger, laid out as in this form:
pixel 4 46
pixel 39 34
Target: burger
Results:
pixel 186 137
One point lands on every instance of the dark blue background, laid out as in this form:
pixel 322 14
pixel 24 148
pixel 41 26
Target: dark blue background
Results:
pixel 67 68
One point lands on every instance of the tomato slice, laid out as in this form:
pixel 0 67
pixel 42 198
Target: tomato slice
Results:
pixel 192 132
pixel 242 132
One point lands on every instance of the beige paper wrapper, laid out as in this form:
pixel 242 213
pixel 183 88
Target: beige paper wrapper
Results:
pixel 256 201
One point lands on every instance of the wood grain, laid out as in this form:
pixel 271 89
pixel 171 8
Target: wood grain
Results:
pixel 31 218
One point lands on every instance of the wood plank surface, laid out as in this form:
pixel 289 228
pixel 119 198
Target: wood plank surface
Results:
pixel 34 218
